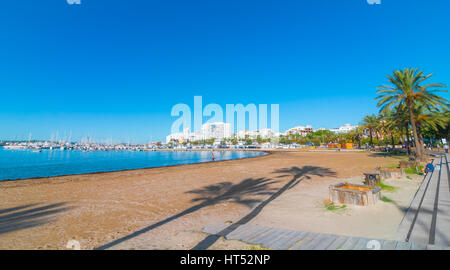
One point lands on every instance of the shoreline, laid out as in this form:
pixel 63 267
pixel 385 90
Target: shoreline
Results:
pixel 266 153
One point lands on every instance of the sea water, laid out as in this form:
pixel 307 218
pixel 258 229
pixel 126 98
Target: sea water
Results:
pixel 22 164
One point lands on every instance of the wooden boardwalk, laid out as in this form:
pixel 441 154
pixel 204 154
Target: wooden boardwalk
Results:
pixel 426 225
pixel 280 239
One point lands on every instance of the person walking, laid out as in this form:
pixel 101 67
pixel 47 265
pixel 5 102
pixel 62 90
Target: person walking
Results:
pixel 446 148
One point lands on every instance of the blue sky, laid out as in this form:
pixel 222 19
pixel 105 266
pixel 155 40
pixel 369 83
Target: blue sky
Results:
pixel 116 68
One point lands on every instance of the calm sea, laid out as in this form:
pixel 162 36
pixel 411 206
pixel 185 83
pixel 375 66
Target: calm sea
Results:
pixel 22 164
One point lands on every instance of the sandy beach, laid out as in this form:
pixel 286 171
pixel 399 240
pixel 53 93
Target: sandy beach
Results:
pixel 166 208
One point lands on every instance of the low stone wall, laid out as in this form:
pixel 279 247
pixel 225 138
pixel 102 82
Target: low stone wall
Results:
pixel 354 194
pixel 392 173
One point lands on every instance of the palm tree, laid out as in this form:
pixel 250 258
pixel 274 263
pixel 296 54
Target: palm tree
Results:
pixel 429 119
pixel 356 135
pixel 389 125
pixel 407 89
pixel 370 122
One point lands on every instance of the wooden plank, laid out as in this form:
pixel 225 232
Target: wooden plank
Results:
pixel 262 236
pixel 281 237
pixel 434 247
pixel 296 239
pixel 271 237
pixel 313 243
pixel 337 244
pixel 403 246
pixel 252 233
pixel 258 234
pixel 416 246
pixel 350 243
pixel 323 245
pixel 361 244
pixel 309 237
pixel 285 241
pixel 389 245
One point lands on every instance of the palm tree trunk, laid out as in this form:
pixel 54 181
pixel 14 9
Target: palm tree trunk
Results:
pixel 408 141
pixel 419 133
pixel 419 145
pixel 393 142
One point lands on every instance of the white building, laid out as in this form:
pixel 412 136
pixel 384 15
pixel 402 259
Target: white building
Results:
pixel 218 130
pixel 182 136
pixel 344 129
pixel 300 130
pixel 265 133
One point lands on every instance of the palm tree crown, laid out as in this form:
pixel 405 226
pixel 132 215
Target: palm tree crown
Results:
pixel 407 90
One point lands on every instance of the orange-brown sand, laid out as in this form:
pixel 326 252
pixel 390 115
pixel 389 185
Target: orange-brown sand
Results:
pixel 172 204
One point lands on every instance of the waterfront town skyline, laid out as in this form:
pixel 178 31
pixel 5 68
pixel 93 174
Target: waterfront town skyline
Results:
pixel 218 130
pixel 222 130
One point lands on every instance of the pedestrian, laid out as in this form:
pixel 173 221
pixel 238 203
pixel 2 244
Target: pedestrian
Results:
pixel 212 156
pixel 429 167
pixel 446 148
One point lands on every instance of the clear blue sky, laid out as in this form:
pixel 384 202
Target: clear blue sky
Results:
pixel 115 68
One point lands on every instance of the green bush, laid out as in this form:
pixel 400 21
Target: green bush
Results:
pixel 414 170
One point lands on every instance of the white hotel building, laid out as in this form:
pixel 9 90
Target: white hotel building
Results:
pixel 217 130
pixel 344 129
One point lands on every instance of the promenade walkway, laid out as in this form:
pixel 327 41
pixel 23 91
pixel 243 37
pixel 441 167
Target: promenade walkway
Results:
pixel 426 225
pixel 427 220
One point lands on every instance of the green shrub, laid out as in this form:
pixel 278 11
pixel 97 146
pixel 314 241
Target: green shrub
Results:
pixel 414 170
pixel 386 199
pixel 387 188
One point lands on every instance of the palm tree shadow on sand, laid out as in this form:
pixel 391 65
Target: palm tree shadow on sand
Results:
pixel 211 195
pixel 240 193
pixel 298 175
pixel 29 216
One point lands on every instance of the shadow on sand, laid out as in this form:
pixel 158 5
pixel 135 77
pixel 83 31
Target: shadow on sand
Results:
pixel 29 216
pixel 239 193
pixel 211 195
pixel 298 175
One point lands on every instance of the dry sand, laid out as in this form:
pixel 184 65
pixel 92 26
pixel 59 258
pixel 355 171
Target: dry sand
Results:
pixel 171 205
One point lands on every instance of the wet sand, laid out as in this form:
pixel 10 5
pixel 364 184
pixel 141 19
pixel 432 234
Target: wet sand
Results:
pixel 166 208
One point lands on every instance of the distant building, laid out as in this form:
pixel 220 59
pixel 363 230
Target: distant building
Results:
pixel 344 129
pixel 265 133
pixel 180 137
pixel 217 130
pixel 301 130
